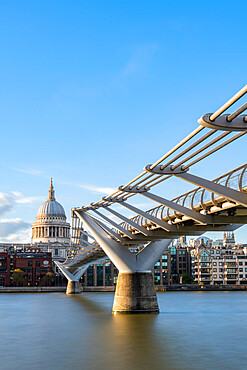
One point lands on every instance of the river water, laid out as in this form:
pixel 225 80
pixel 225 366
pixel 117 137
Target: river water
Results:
pixel 194 330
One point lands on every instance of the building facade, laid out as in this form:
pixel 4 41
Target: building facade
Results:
pixel 51 225
pixel 25 267
pixel 172 266
pixel 51 231
pixel 219 265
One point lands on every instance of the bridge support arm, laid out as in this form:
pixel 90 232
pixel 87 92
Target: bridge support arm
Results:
pixel 135 289
pixel 114 224
pixel 152 253
pixel 231 194
pixel 73 286
pixel 122 258
pixel 129 221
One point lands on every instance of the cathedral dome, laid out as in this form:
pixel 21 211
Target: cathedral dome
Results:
pixel 51 207
pixel 51 225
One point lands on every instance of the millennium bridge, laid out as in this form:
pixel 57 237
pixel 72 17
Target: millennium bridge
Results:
pixel 135 244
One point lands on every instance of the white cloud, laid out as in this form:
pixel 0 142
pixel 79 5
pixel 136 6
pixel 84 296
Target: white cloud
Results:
pixel 20 198
pixel 92 188
pixel 21 236
pixel 97 189
pixel 11 226
pixel 15 229
pixel 6 202
pixel 29 171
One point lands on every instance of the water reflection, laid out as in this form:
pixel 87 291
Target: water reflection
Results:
pixel 122 341
pixel 55 331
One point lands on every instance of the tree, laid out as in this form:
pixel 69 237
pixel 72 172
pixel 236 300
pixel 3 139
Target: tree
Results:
pixel 18 277
pixel 48 278
pixel 186 278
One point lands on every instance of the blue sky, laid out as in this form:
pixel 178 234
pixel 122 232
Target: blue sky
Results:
pixel 91 91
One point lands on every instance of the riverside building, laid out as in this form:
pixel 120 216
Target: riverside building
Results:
pixel 219 265
pixel 171 267
pixel 25 267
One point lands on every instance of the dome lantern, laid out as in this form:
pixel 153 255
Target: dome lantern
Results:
pixel 51 192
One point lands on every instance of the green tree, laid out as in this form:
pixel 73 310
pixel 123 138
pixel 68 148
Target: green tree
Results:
pixel 186 278
pixel 18 277
pixel 48 278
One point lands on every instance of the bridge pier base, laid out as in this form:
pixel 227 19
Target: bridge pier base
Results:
pixel 73 287
pixel 135 293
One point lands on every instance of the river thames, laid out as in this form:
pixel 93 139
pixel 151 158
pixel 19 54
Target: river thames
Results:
pixel 194 330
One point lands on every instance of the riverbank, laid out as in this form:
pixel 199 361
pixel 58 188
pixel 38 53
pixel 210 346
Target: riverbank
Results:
pixel 201 288
pixel 94 289
pixel 45 289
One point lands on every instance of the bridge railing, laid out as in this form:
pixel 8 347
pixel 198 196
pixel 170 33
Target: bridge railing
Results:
pixel 197 199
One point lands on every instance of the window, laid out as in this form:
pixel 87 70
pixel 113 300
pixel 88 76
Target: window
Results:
pixel 173 250
pixel 37 263
pixel 241 263
pixel 30 263
pixel 241 276
pixel 241 270
pixel 204 256
pixel 56 252
pixel 214 263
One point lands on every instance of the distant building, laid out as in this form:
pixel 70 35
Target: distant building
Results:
pixel 51 231
pixel 32 265
pixel 228 239
pixel 172 265
pixel 104 274
pixel 193 243
pixel 217 242
pixel 219 265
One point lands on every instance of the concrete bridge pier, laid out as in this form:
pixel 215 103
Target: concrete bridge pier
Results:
pixel 73 287
pixel 135 291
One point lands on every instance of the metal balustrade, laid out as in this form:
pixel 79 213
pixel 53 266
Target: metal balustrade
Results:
pixel 198 199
